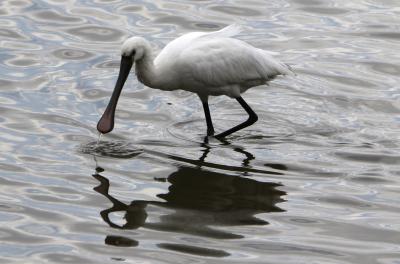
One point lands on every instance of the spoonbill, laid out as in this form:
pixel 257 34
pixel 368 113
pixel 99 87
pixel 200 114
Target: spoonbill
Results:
pixel 205 63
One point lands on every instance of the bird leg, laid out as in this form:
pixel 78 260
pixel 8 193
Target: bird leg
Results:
pixel 210 128
pixel 251 120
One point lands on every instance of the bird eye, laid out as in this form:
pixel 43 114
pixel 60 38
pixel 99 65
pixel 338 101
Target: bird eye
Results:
pixel 133 53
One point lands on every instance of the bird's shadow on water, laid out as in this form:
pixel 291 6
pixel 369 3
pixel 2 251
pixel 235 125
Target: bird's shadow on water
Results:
pixel 197 200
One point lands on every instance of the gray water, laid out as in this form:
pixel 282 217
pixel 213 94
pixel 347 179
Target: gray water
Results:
pixel 315 180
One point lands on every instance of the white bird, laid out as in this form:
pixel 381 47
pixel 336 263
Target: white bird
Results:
pixel 205 63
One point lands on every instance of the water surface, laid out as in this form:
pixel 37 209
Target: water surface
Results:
pixel 315 180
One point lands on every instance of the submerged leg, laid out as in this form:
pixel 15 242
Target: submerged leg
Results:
pixel 251 120
pixel 210 128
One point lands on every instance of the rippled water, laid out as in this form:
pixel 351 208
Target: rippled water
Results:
pixel 316 180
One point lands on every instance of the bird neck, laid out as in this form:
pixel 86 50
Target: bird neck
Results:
pixel 145 69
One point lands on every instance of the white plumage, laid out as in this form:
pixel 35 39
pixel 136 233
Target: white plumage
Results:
pixel 206 63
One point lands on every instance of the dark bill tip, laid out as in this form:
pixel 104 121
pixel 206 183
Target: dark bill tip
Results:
pixel 106 123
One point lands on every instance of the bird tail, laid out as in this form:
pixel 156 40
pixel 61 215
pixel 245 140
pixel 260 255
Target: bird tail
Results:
pixel 290 70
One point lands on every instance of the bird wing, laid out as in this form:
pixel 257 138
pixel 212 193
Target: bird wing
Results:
pixel 175 47
pixel 217 62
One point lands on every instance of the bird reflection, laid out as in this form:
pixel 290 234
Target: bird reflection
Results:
pixel 198 202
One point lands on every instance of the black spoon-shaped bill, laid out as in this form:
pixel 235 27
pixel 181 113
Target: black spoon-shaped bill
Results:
pixel 106 122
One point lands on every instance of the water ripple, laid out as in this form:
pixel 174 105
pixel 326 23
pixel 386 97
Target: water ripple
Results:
pixel 315 180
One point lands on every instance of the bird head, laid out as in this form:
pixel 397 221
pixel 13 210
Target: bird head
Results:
pixel 133 50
